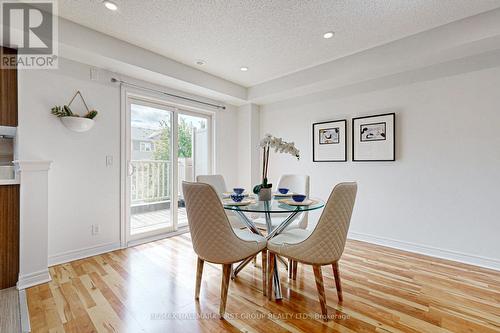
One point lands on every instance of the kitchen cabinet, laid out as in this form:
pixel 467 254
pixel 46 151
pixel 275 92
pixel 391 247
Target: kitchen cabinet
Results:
pixel 9 235
pixel 8 91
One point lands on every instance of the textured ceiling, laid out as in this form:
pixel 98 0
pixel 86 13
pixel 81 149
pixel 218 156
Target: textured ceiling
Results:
pixel 271 37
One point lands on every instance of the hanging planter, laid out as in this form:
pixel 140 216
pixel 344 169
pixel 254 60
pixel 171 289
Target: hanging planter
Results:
pixel 77 124
pixel 73 121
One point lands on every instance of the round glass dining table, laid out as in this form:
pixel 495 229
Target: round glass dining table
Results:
pixel 278 205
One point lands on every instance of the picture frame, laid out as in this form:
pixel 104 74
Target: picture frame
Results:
pixel 330 141
pixel 374 138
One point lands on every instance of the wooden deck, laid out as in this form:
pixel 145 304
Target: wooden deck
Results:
pixel 150 288
pixel 144 222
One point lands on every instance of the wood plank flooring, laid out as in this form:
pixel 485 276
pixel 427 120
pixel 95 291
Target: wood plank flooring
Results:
pixel 150 288
pixel 9 311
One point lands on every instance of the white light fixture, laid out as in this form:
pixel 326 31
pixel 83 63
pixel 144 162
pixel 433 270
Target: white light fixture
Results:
pixel 243 69
pixel 110 5
pixel 200 62
pixel 328 35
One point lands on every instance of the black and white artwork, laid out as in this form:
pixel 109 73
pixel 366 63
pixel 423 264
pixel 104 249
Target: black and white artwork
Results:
pixel 328 136
pixel 373 132
pixel 329 141
pixel 374 138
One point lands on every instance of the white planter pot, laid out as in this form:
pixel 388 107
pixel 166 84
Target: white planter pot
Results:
pixel 77 124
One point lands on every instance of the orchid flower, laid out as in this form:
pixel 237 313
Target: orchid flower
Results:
pixel 279 146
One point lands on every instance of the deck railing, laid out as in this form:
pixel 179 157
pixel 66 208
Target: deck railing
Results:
pixel 151 180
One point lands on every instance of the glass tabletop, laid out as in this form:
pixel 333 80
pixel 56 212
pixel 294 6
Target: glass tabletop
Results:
pixel 276 205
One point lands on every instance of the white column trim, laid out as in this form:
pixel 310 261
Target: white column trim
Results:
pixel 33 222
pixel 33 279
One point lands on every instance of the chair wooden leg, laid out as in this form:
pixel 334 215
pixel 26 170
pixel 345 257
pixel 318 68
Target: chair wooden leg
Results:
pixel 321 291
pixel 226 276
pixel 199 273
pixel 264 272
pixel 290 269
pixel 270 275
pixel 295 264
pixel 336 274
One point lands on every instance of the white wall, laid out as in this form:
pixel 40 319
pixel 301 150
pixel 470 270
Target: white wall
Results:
pixel 248 146
pixel 88 46
pixel 82 189
pixel 441 196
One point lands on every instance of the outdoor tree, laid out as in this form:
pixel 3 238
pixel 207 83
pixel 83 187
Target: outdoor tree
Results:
pixel 162 151
pixel 185 139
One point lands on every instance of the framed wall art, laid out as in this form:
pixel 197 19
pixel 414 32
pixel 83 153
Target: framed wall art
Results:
pixel 374 138
pixel 329 141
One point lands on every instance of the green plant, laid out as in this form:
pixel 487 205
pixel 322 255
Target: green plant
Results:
pixel 65 111
pixel 62 111
pixel 91 114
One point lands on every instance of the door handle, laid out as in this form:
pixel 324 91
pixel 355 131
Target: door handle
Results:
pixel 131 169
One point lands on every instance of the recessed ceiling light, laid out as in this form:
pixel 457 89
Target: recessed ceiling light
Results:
pixel 110 5
pixel 243 69
pixel 200 62
pixel 328 35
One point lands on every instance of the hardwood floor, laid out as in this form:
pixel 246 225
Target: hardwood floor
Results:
pixel 9 311
pixel 151 288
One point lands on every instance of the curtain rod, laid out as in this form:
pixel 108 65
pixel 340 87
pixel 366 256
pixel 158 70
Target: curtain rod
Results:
pixel 171 95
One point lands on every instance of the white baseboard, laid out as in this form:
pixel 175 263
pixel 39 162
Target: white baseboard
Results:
pixel 24 312
pixel 62 258
pixel 33 279
pixel 428 250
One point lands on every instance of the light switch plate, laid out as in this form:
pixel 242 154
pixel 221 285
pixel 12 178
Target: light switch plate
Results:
pixel 94 74
pixel 95 229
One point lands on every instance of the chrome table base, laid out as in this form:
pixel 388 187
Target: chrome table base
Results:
pixel 270 234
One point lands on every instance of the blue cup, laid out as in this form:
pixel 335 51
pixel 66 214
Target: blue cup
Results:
pixel 237 197
pixel 238 190
pixel 283 190
pixel 298 197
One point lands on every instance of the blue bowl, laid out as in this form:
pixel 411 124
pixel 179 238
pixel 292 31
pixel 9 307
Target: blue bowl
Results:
pixel 283 190
pixel 237 197
pixel 298 197
pixel 238 190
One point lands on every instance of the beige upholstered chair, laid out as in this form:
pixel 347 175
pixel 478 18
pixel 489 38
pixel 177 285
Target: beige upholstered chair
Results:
pixel 297 184
pixel 322 246
pixel 219 185
pixel 214 240
pixel 216 181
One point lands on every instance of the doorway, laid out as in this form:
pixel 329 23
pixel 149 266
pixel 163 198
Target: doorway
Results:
pixel 164 146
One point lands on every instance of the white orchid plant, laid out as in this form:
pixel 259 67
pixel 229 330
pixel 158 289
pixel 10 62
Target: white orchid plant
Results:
pixel 271 142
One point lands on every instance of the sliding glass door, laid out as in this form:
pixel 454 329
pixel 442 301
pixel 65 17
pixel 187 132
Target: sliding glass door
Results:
pixel 154 200
pixel 150 169
pixel 194 153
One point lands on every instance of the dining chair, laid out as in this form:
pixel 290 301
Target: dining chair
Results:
pixel 214 240
pixel 323 245
pixel 216 181
pixel 219 185
pixel 297 184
